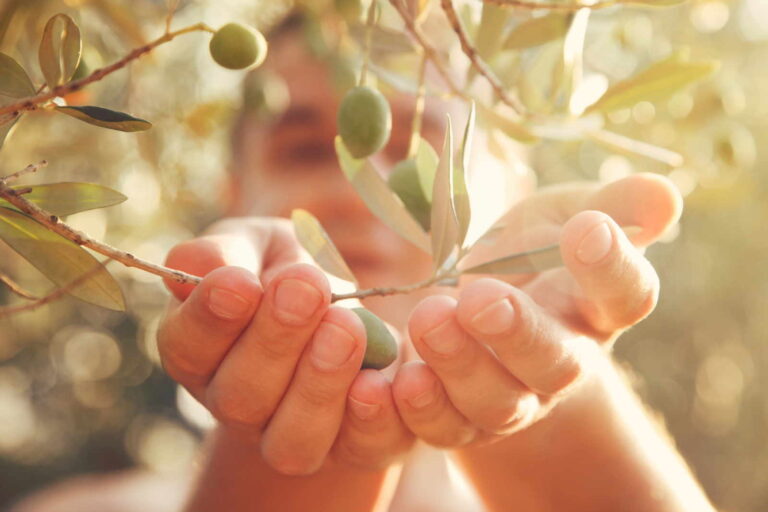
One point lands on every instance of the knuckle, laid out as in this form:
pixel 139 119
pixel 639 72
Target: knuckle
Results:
pixel 236 409
pixel 501 418
pixel 565 375
pixel 289 463
pixel 318 394
pixel 450 438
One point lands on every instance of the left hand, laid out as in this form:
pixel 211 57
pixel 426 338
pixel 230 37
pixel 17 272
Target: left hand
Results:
pixel 500 357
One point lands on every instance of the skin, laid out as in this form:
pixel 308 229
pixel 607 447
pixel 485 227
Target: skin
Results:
pixel 514 376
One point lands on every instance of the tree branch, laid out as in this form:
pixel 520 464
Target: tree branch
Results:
pixel 525 4
pixel 27 170
pixel 448 278
pixel 16 288
pixel 477 62
pixel 31 103
pixel 54 224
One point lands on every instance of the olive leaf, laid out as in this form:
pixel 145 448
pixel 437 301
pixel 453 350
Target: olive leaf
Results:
pixel 459 193
pixel 384 41
pixel 507 126
pixel 319 245
pixel 106 118
pixel 660 80
pixel 69 197
pixel 379 198
pixel 490 31
pixel 538 31
pixel 632 147
pixel 60 50
pixel 5 130
pixel 14 81
pixel 60 260
pixel 426 164
pixel 654 3
pixel 444 224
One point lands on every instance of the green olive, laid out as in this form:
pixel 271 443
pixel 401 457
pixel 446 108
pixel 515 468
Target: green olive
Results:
pixel 235 46
pixel 350 10
pixel 381 347
pixel 404 181
pixel 364 121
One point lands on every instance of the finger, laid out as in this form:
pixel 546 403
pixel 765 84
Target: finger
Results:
pixel 254 375
pixel 528 342
pixel 426 409
pixel 620 287
pixel 485 392
pixel 306 422
pixel 372 434
pixel 194 337
pixel 647 200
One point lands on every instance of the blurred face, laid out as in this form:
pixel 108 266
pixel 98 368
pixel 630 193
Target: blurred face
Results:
pixel 291 163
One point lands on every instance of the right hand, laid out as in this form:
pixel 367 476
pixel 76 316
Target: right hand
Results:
pixel 260 346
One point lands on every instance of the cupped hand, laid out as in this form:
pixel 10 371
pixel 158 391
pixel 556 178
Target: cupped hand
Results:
pixel 499 357
pixel 260 346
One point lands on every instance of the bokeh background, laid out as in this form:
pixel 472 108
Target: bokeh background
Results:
pixel 81 390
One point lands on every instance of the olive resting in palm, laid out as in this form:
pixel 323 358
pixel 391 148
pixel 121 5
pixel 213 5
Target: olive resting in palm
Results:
pixel 381 347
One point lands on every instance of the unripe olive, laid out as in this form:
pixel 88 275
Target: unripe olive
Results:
pixel 404 181
pixel 350 10
pixel 381 347
pixel 235 46
pixel 364 121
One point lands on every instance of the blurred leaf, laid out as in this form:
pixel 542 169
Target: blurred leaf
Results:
pixel 538 31
pixel 460 196
pixel 67 198
pixel 634 147
pixel 444 224
pixel 106 118
pixel 658 3
pixel 14 81
pixel 426 163
pixel 536 260
pixel 493 20
pixel 507 126
pixel 384 42
pixel 60 49
pixel 379 198
pixel 319 245
pixel 6 129
pixel 660 80
pixel 60 260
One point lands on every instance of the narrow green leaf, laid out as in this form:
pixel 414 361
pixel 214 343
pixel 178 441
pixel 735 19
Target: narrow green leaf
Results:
pixel 633 147
pixel 106 118
pixel 507 126
pixel 319 245
pixel 60 50
pixel 14 81
pixel 60 260
pixel 527 262
pixel 490 32
pixel 660 80
pixel 379 198
pixel 654 3
pixel 426 163
pixel 67 198
pixel 538 31
pixel 444 224
pixel 5 130
pixel 460 195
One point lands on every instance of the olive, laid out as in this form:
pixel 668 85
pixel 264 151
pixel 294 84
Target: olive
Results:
pixel 381 347
pixel 350 10
pixel 404 181
pixel 364 121
pixel 235 46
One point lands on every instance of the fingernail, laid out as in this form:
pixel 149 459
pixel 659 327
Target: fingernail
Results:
pixel 363 410
pixel 296 301
pixel 595 245
pixel 227 304
pixel 444 339
pixel 331 347
pixel 495 318
pixel 423 399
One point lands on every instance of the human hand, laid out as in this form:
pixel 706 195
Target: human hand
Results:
pixel 501 356
pixel 261 348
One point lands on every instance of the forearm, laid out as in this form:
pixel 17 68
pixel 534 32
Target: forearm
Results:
pixel 236 478
pixel 598 450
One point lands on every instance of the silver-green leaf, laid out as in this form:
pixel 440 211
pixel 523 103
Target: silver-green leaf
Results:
pixel 538 31
pixel 106 118
pixel 460 195
pixel 14 81
pixel 60 260
pixel 444 224
pixel 319 245
pixel 426 163
pixel 67 198
pixel 60 50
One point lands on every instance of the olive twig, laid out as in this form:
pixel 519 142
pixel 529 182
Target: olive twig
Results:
pixel 369 22
pixel 27 170
pixel 526 4
pixel 31 103
pixel 16 288
pixel 444 277
pixel 53 223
